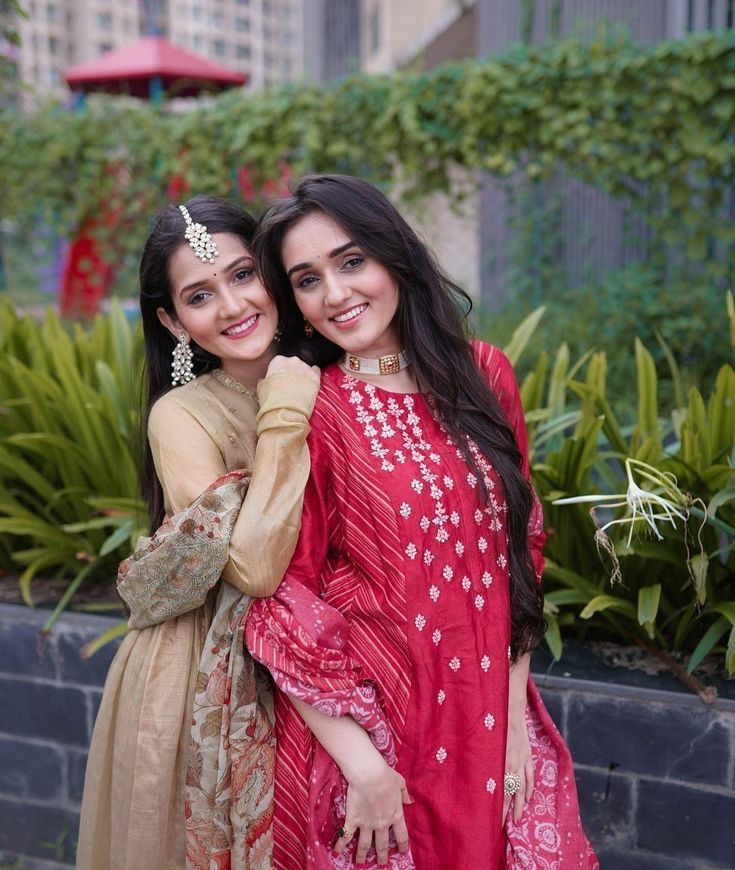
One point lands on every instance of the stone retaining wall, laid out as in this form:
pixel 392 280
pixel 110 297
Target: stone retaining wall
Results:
pixel 655 769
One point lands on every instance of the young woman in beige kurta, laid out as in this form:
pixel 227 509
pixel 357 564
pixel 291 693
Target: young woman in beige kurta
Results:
pixel 247 411
pixel 133 810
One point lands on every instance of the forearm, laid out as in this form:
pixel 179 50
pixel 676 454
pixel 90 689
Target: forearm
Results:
pixel 519 671
pixel 347 742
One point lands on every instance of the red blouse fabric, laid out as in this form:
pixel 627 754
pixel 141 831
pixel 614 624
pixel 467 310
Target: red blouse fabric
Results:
pixel 396 610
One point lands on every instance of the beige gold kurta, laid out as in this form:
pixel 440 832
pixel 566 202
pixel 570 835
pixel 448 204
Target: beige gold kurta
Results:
pixel 133 807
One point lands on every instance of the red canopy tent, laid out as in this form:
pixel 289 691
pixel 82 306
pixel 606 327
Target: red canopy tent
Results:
pixel 150 68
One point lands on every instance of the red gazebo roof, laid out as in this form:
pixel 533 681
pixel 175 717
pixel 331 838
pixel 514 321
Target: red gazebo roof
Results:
pixel 130 69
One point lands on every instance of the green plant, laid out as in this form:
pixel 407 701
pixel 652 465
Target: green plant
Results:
pixel 675 589
pixel 68 447
pixel 649 124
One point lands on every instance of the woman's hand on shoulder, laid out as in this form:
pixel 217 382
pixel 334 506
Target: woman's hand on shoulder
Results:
pixel 292 365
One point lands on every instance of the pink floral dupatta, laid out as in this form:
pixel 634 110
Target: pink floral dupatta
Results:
pixel 230 772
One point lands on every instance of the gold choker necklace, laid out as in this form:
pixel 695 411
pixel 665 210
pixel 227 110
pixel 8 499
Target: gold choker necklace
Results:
pixel 390 364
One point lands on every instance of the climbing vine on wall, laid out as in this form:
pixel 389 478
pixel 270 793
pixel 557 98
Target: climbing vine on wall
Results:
pixel 653 125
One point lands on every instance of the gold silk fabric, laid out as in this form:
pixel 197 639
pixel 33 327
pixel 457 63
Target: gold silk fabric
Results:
pixel 134 805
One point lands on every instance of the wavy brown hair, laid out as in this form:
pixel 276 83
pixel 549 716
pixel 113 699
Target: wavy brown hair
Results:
pixel 431 319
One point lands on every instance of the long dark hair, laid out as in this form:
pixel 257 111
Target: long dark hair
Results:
pixel 431 317
pixel 167 235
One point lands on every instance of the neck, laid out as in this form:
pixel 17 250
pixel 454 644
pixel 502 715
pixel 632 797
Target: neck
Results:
pixel 249 371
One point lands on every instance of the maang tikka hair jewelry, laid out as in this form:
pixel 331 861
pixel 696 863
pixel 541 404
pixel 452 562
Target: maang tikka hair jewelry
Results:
pixel 199 239
pixel 181 372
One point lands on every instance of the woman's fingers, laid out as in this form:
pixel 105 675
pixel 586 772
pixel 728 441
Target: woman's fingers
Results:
pixel 519 799
pixel 345 840
pixel 381 846
pixel 400 832
pixel 363 845
pixel 530 779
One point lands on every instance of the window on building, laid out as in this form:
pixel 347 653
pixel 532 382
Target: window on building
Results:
pixel 104 47
pixel 242 51
pixel 730 15
pixel 217 20
pixel 242 25
pixel 54 76
pixel 196 13
pixel 375 30
pixel 52 13
pixel 53 45
pixel 198 41
pixel 287 38
pixel 104 21
pixel 242 2
pixel 218 48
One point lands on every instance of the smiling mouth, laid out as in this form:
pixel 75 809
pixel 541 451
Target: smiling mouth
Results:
pixel 351 314
pixel 243 326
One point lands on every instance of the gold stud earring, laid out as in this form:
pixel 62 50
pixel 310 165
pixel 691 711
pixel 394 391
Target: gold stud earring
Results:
pixel 308 329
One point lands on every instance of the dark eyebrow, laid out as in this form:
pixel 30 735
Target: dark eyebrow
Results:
pixel 299 267
pixel 233 265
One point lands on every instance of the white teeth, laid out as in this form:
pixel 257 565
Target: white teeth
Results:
pixel 241 327
pixel 349 315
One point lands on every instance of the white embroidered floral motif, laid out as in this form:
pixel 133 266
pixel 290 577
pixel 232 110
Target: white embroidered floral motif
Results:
pixel 479 602
pixel 482 544
pixel 425 523
pixel 441 696
pixel 455 664
pixel 420 622
pixel 428 557
pixel 459 548
pixel 441 755
pixel 405 510
pixel 417 486
pixel 490 785
pixel 448 482
pixel 502 561
pixel 485 663
pixel 442 535
pixel 478 516
pixel 447 572
pixel 489 721
pixel 411 551
pixel 466 584
pixel 471 479
pixel 454 518
pixel 436 636
pixel 434 593
pixel 487 579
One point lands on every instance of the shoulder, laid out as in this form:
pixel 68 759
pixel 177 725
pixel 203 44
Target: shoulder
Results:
pixel 494 364
pixel 185 404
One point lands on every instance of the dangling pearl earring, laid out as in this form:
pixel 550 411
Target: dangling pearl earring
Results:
pixel 278 334
pixel 308 329
pixel 181 372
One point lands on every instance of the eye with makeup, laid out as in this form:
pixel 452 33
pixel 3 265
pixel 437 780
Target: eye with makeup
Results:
pixel 198 297
pixel 244 273
pixel 353 261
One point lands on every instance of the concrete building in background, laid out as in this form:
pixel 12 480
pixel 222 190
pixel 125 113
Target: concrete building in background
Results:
pixel 331 39
pixel 262 38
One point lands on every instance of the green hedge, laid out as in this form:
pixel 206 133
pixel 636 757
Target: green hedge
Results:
pixel 651 124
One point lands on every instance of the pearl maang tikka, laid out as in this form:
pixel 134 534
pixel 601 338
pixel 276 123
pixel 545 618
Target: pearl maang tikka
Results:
pixel 198 238
pixel 181 368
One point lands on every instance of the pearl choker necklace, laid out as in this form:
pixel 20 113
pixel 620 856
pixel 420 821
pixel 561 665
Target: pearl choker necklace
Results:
pixel 390 364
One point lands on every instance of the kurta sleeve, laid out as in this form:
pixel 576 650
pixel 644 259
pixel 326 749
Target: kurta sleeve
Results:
pixel 188 461
pixel 498 370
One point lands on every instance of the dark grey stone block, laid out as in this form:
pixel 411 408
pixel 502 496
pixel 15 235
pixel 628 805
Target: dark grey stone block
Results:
pixel 42 832
pixel 606 805
pixel 621 859
pixel 75 669
pixel 30 770
pixel 43 711
pixel 652 739
pixel 25 651
pixel 554 703
pixel 686 822
pixel 76 764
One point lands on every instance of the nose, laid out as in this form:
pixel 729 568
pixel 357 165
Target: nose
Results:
pixel 337 290
pixel 230 304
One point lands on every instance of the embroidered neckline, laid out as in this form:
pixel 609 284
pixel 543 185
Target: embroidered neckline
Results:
pixel 233 383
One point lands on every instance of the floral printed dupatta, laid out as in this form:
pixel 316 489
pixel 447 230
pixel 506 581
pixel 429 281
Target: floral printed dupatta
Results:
pixel 230 772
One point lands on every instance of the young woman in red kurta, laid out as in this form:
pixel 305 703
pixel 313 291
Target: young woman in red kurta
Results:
pixel 401 635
